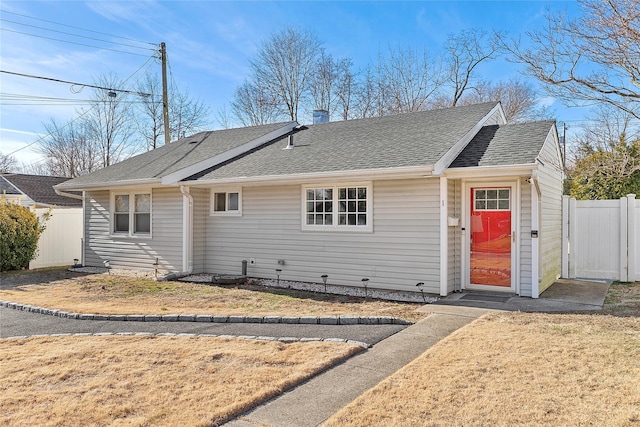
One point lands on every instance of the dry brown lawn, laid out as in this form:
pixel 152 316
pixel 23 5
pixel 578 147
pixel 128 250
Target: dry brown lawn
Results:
pixel 515 369
pixel 104 294
pixel 141 381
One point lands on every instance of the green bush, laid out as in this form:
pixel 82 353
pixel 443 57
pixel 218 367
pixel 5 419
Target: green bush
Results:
pixel 20 231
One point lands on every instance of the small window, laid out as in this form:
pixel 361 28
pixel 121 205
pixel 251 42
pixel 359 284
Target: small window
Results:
pixel 226 203
pixel 132 214
pixel 337 208
pixel 492 199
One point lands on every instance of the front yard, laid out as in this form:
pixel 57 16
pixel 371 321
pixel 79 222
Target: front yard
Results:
pixel 503 369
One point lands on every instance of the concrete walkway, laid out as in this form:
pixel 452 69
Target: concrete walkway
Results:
pixel 313 402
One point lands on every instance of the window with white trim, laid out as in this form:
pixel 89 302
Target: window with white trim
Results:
pixel 340 207
pixel 226 202
pixel 492 199
pixel 131 214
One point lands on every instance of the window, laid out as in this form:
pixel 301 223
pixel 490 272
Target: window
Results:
pixel 132 214
pixel 492 199
pixel 226 203
pixel 337 208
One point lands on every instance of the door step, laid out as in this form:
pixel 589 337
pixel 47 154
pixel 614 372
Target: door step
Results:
pixel 486 297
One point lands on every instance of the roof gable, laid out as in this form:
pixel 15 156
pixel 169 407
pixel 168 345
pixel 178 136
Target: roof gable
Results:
pixel 39 188
pixel 503 145
pixel 178 156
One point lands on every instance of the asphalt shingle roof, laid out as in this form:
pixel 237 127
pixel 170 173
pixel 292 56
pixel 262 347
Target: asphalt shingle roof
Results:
pixel 501 145
pixel 175 156
pixel 40 188
pixel 6 187
pixel 413 139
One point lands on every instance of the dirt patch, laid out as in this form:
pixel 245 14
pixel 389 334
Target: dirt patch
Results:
pixel 623 299
pixel 105 294
pixel 140 381
pixel 515 369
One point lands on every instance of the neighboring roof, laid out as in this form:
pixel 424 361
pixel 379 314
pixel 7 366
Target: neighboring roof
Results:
pixel 39 188
pixel 403 140
pixel 502 145
pixel 176 156
pixel 7 188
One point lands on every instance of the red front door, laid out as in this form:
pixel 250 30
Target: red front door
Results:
pixel 490 236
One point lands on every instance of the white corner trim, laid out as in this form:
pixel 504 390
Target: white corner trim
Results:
pixel 187 230
pixel 444 238
pixel 535 242
pixel 460 145
pixel 174 177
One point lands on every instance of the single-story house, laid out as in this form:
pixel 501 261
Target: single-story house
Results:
pixel 453 198
pixel 35 191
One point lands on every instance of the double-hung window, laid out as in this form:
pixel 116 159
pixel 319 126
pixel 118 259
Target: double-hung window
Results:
pixel 339 207
pixel 226 203
pixel 132 214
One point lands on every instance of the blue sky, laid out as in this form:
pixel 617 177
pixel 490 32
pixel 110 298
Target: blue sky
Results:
pixel 210 44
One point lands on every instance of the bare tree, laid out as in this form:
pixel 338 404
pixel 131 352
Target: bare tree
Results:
pixel 254 104
pixel 464 52
pixel 592 58
pixel 366 99
pixel 68 150
pixel 407 81
pixel 109 123
pixel 519 99
pixel 7 163
pixel 323 81
pixel 346 88
pixel 284 64
pixel 186 114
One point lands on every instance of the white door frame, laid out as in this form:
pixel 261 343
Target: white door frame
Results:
pixel 514 184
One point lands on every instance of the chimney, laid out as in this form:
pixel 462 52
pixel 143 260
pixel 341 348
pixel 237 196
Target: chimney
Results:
pixel 320 116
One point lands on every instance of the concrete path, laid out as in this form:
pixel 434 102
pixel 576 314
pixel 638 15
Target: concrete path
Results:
pixel 316 400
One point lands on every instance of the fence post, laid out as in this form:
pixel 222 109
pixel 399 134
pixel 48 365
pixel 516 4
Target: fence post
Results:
pixel 623 239
pixel 565 236
pixel 572 237
pixel 631 239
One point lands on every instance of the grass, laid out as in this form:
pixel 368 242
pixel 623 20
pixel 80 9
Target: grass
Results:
pixel 141 381
pixel 510 369
pixel 104 294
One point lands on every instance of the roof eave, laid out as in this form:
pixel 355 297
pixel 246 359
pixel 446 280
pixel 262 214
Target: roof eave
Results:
pixel 490 171
pixel 107 185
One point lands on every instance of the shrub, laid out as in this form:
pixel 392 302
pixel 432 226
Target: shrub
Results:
pixel 20 231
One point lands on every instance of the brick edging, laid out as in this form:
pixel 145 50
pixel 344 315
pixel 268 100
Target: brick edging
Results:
pixel 293 320
pixel 169 334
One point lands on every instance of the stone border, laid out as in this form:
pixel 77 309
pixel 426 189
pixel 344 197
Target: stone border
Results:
pixel 293 320
pixel 169 334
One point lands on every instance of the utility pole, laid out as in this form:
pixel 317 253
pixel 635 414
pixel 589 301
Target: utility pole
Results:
pixel 165 94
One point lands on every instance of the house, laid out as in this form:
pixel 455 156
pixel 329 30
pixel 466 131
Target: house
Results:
pixel 35 191
pixel 454 198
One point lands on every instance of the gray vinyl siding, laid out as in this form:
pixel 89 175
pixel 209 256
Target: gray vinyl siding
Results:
pixel 200 214
pixel 402 250
pixel 135 253
pixel 525 239
pixel 454 266
pixel 550 178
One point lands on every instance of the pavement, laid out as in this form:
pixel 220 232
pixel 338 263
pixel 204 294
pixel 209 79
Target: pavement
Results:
pixel 393 346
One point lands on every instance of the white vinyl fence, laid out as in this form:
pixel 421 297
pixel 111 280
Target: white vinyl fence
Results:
pixel 600 239
pixel 61 241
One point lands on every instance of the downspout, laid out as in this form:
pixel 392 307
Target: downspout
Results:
pixel 187 230
pixel 535 240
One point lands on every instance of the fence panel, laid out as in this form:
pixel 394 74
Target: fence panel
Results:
pixel 61 241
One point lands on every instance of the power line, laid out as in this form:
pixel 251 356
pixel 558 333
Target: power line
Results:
pixel 76 28
pixel 76 35
pixel 76 84
pixel 69 42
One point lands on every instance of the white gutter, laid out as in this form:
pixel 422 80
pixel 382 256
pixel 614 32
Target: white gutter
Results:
pixel 65 194
pixel 187 230
pixel 490 171
pixel 109 185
